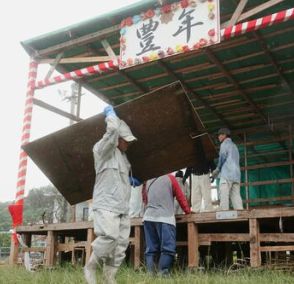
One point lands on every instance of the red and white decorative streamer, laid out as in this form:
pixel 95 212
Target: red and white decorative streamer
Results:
pixel 16 209
pixel 257 24
pixel 88 71
pixel 26 129
pixel 226 33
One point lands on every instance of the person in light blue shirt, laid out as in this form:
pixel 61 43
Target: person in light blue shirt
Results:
pixel 228 170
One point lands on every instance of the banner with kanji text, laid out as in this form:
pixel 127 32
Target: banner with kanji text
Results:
pixel 172 29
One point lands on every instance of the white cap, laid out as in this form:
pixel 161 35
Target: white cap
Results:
pixel 125 132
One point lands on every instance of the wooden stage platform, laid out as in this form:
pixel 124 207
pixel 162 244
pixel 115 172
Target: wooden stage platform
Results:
pixel 247 233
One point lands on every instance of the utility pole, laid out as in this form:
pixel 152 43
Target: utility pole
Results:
pixel 75 105
pixel 75 102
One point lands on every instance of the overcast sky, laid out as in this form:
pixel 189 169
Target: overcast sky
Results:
pixel 21 20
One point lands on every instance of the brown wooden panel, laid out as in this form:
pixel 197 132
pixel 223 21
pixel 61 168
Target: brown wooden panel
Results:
pixel 163 121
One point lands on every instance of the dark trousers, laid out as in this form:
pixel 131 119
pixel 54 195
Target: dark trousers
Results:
pixel 160 241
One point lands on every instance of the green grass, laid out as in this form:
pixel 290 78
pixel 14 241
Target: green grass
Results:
pixel 62 275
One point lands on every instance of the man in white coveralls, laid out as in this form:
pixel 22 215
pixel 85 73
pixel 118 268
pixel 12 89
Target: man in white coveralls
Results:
pixel 111 196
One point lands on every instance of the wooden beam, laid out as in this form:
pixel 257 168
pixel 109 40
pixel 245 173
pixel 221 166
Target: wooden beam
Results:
pixel 113 87
pixel 123 73
pixel 70 246
pixel 277 237
pixel 34 249
pixel 56 110
pixel 221 75
pixel 193 244
pixel 50 249
pixel 193 93
pixel 139 67
pixel 109 50
pixel 13 252
pixel 245 109
pixel 71 60
pixel 53 66
pixel 127 95
pixel 90 238
pixel 76 42
pixel 267 153
pixel 54 227
pixel 268 182
pixel 87 86
pixel 136 221
pixel 272 212
pixel 210 217
pixel 235 83
pixel 254 11
pixel 277 248
pixel 268 141
pixel 274 62
pixel 268 165
pixel 218 237
pixel 137 246
pixel 237 13
pixel 273 199
pixel 133 82
pixel 255 258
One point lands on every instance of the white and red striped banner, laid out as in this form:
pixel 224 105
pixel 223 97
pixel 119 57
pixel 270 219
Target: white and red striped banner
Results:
pixel 257 24
pixel 77 74
pixel 26 130
pixel 226 33
pixel 16 209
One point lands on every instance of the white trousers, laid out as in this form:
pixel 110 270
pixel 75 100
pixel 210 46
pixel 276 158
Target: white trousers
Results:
pixel 230 190
pixel 112 231
pixel 201 190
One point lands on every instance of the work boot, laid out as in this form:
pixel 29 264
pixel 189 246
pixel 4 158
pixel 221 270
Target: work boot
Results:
pixel 109 273
pixel 90 270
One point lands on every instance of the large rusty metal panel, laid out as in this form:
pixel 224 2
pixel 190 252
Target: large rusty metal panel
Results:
pixel 164 122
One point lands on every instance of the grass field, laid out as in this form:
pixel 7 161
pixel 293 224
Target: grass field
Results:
pixel 62 275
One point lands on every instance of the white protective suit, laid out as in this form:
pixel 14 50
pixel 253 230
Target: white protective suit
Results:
pixel 110 201
pixel 186 190
pixel 201 190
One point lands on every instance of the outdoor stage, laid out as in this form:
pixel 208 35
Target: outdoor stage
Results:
pixel 249 234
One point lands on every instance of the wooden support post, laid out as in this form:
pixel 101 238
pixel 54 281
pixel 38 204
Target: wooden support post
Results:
pixel 254 11
pixel 90 238
pixel 193 244
pixel 27 238
pixel 228 247
pixel 13 252
pixel 255 259
pixel 50 249
pixel 137 247
pixel 237 13
pixel 53 66
pixel 109 49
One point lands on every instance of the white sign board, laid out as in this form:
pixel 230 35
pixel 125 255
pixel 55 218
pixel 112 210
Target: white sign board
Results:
pixel 226 215
pixel 172 29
